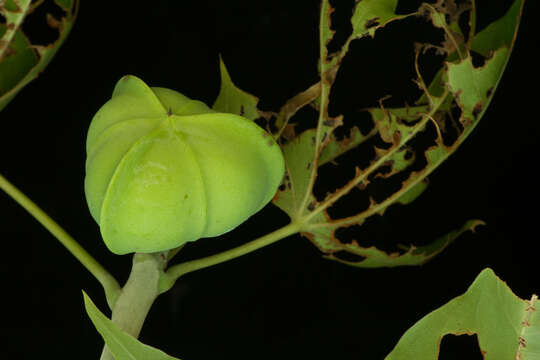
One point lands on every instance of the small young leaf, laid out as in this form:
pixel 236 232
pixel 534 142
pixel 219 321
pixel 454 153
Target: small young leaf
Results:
pixel 507 326
pixel 122 345
pixel 233 100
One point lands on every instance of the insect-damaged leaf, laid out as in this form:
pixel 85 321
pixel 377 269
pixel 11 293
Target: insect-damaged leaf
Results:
pixel 298 156
pixel 369 15
pixel 336 147
pixel 473 87
pixel 458 84
pixel 325 32
pixel 20 61
pixel 122 345
pixel 375 258
pixel 413 192
pixel 396 121
pixel 507 326
pixel 233 100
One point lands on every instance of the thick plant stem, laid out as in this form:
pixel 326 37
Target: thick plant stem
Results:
pixel 148 279
pixel 137 296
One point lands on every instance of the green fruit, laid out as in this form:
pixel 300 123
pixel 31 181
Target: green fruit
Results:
pixel 162 169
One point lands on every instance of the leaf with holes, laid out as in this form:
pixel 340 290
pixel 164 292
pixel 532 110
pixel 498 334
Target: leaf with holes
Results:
pixel 507 326
pixel 452 105
pixel 336 148
pixel 370 15
pixel 298 155
pixel 374 258
pixel 20 61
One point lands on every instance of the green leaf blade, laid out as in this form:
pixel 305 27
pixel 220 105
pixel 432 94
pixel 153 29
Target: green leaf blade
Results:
pixel 488 309
pixel 497 35
pixel 298 154
pixel 233 100
pixel 473 87
pixel 17 63
pixel 122 345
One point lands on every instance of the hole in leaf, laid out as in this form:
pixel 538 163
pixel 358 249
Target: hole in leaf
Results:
pixel 347 256
pixel 347 234
pixel 352 117
pixel 464 25
pixel 420 143
pixel 351 204
pixel 382 189
pixel 340 23
pixel 460 347
pixel 375 231
pixel 477 59
pixel 389 71
pixel 262 122
pixel 490 11
pixel 429 64
pixel 450 126
pixel 408 154
pixel 37 26
pixel 305 118
pixel 407 7
pixel 331 177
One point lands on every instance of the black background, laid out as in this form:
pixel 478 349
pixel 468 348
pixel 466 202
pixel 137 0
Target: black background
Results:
pixel 283 301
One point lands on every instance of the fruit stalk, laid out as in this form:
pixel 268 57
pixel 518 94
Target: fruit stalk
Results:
pixel 137 295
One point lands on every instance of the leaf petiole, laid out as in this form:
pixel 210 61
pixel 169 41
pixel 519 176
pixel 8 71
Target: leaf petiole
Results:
pixel 169 277
pixel 109 283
